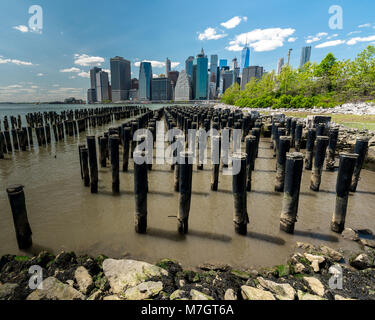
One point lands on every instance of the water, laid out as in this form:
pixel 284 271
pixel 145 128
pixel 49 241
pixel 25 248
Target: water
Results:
pixel 63 214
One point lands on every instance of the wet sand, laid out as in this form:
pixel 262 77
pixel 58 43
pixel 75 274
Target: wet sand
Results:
pixel 63 214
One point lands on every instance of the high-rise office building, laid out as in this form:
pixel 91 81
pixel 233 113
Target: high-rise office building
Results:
pixel 245 57
pixel 182 91
pixel 213 67
pixel 234 63
pixel 102 86
pixel 161 89
pixel 135 83
pixel 120 78
pixel 236 75
pixel 93 92
pixel 91 95
pixel 145 77
pixel 305 56
pixel 226 79
pixel 280 65
pixel 223 63
pixel 189 67
pixel 173 76
pixel 249 73
pixel 167 67
pixel 201 76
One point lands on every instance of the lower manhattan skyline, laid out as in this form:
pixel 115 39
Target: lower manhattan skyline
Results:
pixel 53 60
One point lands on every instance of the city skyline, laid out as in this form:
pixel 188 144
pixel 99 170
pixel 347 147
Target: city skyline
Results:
pixel 55 63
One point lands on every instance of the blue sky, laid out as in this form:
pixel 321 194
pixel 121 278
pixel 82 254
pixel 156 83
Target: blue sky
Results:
pixel 53 64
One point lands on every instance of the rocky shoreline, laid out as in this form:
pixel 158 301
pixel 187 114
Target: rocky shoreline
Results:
pixel 310 273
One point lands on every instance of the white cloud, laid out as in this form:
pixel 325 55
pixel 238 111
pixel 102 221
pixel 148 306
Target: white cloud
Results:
pixel 40 74
pixel 354 32
pixel 14 61
pixel 330 44
pixel 85 60
pixel 84 74
pixel 319 36
pixel 332 36
pixel 211 34
pixel 73 69
pixel 366 25
pixel 21 28
pixel 34 87
pixel 234 22
pixel 261 39
pixel 355 40
pixel 292 39
pixel 157 64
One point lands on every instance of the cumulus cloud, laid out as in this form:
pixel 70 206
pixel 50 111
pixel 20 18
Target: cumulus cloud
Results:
pixel 319 36
pixel 292 39
pixel 21 28
pixel 73 69
pixel 332 36
pixel 85 60
pixel 211 34
pixel 40 74
pixel 330 44
pixel 355 40
pixel 354 32
pixel 84 74
pixel 157 64
pixel 14 61
pixel 366 25
pixel 261 39
pixel 234 22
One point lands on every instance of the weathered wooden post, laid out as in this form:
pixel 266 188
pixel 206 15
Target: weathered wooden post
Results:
pixel 30 131
pixel 240 217
pixel 85 165
pixel 215 160
pixel 114 141
pixel 333 135
pixel 7 140
pixel 185 186
pixel 140 191
pixel 344 179
pixel 293 125
pixel 15 139
pixel 16 198
pixel 179 149
pixel 275 138
pixel 2 144
pixel 126 148
pixel 293 174
pixel 256 132
pixel 311 136
pixel 93 161
pixel 250 159
pixel 298 137
pixel 284 147
pixel 80 146
pixel 103 151
pixel 316 175
pixel 361 147
pixel 225 146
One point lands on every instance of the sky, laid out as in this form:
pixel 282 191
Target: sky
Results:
pixel 48 59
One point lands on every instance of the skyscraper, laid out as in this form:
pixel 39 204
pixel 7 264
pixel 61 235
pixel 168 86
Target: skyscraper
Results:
pixel 93 92
pixel 120 78
pixel 234 63
pixel 189 67
pixel 182 91
pixel 161 89
pixel 167 67
pixel 245 57
pixel 305 56
pixel 223 63
pixel 280 65
pixel 251 72
pixel 213 67
pixel 102 86
pixel 201 76
pixel 145 77
pixel 226 79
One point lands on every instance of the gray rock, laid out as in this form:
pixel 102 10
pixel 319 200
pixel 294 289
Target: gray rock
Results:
pixel 112 297
pixel 7 290
pixel 97 295
pixel 144 290
pixel 84 280
pixel 250 293
pixel 181 283
pixel 350 234
pixel 230 295
pixel 282 291
pixel 70 282
pixel 305 246
pixel 368 242
pixel 177 295
pixel 331 253
pixel 338 297
pixel 299 268
pixel 307 296
pixel 315 260
pixel 123 274
pixel 53 289
pixel 362 261
pixel 315 285
pixel 197 295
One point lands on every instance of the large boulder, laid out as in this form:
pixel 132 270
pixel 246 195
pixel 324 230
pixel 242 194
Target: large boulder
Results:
pixel 84 280
pixel 144 290
pixel 7 290
pixel 124 274
pixel 331 253
pixel 361 262
pixel 250 293
pixel 315 285
pixel 53 289
pixel 282 291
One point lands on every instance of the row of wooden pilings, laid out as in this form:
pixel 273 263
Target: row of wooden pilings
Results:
pixel 67 123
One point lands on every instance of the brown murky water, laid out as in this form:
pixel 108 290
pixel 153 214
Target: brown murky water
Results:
pixel 63 214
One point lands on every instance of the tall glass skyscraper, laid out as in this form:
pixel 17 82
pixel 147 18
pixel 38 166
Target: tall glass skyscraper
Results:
pixel 167 67
pixel 245 57
pixel 189 66
pixel 223 63
pixel 145 77
pixel 120 78
pixel 213 67
pixel 305 56
pixel 201 77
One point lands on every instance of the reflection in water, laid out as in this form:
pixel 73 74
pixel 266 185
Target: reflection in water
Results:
pixel 64 214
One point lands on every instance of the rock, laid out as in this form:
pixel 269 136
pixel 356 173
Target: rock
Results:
pixel 338 297
pixel 241 274
pixel 368 242
pixel 315 285
pixel 53 289
pixel 84 280
pixel 282 291
pixel 112 297
pixel 362 261
pixel 144 290
pixel 350 234
pixel 305 246
pixel 307 296
pixel 331 253
pixel 230 295
pixel 7 290
pixel 197 295
pixel 250 293
pixel 181 283
pixel 177 295
pixel 70 282
pixel 122 274
pixel 96 295
pixel 316 261
pixel 214 267
pixel 299 268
